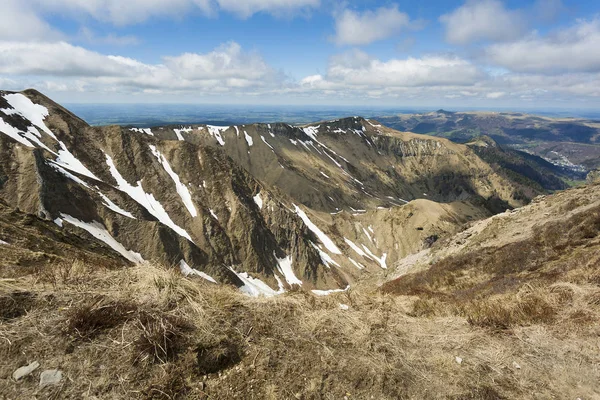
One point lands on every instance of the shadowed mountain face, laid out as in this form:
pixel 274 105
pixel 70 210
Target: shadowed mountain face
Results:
pixel 263 207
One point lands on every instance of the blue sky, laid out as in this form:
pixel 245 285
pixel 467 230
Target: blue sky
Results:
pixel 485 53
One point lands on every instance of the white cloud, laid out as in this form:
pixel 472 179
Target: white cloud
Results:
pixel 575 49
pixel 227 61
pixel 354 28
pixel 495 95
pixel 18 21
pixel 227 68
pixel 357 69
pixel 478 20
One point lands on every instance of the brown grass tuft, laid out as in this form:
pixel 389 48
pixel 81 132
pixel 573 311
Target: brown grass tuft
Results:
pixel 162 337
pixel 92 318
pixel 16 304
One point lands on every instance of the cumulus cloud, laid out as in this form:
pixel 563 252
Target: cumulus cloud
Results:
pixel 356 68
pixel 226 68
pixel 19 21
pixel 478 20
pixel 227 61
pixel 574 49
pixel 355 28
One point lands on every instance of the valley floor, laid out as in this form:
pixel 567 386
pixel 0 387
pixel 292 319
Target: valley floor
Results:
pixel 148 332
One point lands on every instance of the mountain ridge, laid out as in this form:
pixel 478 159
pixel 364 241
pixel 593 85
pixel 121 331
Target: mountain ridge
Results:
pixel 245 204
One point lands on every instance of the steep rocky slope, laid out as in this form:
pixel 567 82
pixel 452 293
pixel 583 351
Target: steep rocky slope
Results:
pixel 263 207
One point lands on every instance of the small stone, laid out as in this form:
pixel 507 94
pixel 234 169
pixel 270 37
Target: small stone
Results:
pixel 458 360
pixel 25 370
pixel 50 377
pixel 344 307
pixel 516 365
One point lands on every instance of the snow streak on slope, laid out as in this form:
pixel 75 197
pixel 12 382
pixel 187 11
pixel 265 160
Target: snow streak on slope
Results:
pixel 284 265
pixel 178 132
pixel 380 260
pixel 187 271
pixel 248 138
pixel 34 113
pixel 327 242
pixel 147 131
pixel 68 174
pixel 216 132
pixel 108 203
pixel 99 232
pixel 67 160
pixel 354 247
pixel 182 190
pixel 13 132
pixel 146 200
pixel 325 258
pixel 253 286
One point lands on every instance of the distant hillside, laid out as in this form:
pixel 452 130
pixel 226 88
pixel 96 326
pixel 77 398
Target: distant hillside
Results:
pixel 573 144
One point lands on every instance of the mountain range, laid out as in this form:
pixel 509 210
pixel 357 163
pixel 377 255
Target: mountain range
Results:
pixel 147 236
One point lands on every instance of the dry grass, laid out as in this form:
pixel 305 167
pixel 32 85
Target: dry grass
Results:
pixel 171 337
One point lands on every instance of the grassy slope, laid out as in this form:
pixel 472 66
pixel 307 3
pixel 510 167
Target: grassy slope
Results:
pixel 147 332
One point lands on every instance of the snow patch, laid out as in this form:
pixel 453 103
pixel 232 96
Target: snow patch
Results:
pixel 312 131
pixel 147 131
pixel 34 113
pixel 179 131
pixel 98 230
pixel 354 247
pixel 356 264
pixel 68 174
pixel 248 138
pixel 329 244
pixel 253 286
pixel 265 140
pixel 284 265
pixel 182 190
pixel 325 258
pixel 67 160
pixel 213 214
pixel 13 132
pixel 108 203
pixel 216 132
pixel 186 270
pixel 380 260
pixel 331 291
pixel 146 200
pixel 258 200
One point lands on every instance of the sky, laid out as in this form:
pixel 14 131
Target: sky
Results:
pixel 479 53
